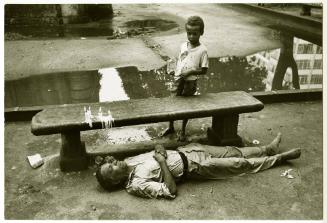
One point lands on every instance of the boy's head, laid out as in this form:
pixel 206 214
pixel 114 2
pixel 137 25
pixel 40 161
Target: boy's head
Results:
pixel 194 28
pixel 112 175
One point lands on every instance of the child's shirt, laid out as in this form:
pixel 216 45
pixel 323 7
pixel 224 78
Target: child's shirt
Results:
pixel 191 58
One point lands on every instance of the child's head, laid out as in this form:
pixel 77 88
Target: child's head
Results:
pixel 194 28
pixel 112 175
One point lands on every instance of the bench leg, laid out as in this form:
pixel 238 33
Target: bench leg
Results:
pixel 72 154
pixel 224 131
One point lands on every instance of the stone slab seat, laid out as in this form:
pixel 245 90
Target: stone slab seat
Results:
pixel 69 120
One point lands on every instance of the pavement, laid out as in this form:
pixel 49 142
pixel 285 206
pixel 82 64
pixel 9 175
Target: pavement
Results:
pixel 48 193
pixel 222 27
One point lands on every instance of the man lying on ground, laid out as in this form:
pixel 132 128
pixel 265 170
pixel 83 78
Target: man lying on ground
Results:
pixel 154 174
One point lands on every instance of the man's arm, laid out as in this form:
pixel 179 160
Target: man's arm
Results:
pixel 167 176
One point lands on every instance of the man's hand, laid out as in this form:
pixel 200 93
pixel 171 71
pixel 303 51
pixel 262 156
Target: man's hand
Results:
pixel 159 157
pixel 160 154
pixel 160 149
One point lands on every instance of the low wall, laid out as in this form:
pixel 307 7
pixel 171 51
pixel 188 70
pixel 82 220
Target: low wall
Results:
pixel 26 113
pixel 55 14
pixel 21 14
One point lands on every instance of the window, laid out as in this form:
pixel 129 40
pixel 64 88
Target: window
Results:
pixel 305 49
pixel 303 79
pixel 319 50
pixel 316 79
pixel 317 64
pixel 303 64
pixel 275 54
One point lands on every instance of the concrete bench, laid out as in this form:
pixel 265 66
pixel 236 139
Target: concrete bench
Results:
pixel 306 8
pixel 69 120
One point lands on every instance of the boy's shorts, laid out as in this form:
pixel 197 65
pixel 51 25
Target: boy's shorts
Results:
pixel 182 87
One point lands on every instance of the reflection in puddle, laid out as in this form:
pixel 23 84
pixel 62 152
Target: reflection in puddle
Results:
pixel 110 81
pixel 255 72
pixel 297 65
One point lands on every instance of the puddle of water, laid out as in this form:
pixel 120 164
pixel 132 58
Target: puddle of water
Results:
pixel 92 29
pixel 256 72
pixel 104 29
pixel 152 24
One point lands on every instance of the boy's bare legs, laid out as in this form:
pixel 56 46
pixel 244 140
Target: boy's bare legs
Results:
pixel 182 136
pixel 268 150
pixel 171 129
pixel 176 90
pixel 168 130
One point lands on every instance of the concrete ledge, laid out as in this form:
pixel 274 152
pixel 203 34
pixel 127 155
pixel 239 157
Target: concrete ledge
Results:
pixel 302 27
pixel 268 97
pixel 23 113
pixel 281 16
pixel 26 113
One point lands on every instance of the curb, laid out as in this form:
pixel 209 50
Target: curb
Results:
pixel 26 113
pixel 279 96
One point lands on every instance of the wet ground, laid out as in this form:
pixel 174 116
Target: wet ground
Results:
pixel 102 28
pixel 47 193
pixel 148 51
pixel 113 84
pixel 124 83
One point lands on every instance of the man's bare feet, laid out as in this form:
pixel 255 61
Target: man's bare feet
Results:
pixel 166 132
pixel 291 154
pixel 273 147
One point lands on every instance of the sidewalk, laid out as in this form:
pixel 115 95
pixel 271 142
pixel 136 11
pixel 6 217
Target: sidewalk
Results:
pixel 223 27
pixel 47 193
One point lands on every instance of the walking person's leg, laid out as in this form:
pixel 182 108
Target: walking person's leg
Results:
pixel 295 74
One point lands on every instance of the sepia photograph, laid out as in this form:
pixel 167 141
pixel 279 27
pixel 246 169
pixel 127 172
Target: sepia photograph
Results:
pixel 163 111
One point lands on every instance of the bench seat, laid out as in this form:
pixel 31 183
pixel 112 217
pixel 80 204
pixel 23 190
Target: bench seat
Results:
pixel 69 120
